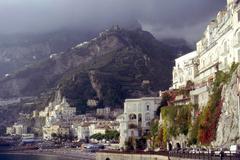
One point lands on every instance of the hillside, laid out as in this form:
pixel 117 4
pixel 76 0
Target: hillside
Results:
pixel 118 64
pixel 20 50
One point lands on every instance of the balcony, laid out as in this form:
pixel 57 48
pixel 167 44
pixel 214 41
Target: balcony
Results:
pixel 199 90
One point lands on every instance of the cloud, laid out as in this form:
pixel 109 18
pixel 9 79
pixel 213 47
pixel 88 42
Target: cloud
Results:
pixel 173 18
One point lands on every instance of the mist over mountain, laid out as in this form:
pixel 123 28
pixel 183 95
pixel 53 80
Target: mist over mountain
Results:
pixel 117 64
pixel 21 50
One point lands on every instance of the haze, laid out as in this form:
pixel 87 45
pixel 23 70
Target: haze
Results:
pixel 164 18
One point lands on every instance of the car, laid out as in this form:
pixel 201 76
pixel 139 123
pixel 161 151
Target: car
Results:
pixel 235 149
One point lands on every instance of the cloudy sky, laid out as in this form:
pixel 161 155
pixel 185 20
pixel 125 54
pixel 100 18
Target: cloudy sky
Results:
pixel 164 18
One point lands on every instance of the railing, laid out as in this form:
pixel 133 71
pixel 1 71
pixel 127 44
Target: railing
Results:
pixel 205 155
pixel 199 155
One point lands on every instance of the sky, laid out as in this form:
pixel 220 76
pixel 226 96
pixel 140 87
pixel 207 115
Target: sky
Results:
pixel 164 18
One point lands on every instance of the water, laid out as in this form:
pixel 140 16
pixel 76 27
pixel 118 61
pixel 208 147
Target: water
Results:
pixel 29 157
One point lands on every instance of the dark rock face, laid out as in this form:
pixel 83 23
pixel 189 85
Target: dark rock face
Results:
pixel 118 64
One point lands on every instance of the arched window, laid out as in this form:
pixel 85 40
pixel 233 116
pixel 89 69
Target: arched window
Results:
pixel 132 116
pixel 139 117
pixel 148 108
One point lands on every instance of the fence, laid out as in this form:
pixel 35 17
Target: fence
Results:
pixel 205 155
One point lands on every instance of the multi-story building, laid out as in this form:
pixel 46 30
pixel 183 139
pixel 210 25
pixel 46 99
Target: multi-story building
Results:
pixel 10 131
pixel 218 48
pixel 103 111
pixel 83 132
pixel 137 116
pixel 58 129
pixel 17 129
pixel 184 70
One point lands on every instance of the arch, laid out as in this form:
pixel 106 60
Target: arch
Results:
pixel 148 107
pixel 108 159
pixel 139 117
pixel 132 116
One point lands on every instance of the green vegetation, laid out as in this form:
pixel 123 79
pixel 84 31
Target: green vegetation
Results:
pixel 153 136
pixel 109 135
pixel 177 120
pixel 202 130
pixel 209 117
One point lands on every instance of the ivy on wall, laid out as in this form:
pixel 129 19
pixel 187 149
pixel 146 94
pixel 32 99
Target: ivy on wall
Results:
pixel 176 121
pixel 202 130
pixel 209 117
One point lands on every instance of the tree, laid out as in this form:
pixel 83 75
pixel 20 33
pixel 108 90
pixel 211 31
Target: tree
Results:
pixel 154 133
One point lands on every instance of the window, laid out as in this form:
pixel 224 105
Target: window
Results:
pixel 147 117
pixel 226 49
pixel 147 107
pixel 132 117
pixel 139 117
pixel 189 71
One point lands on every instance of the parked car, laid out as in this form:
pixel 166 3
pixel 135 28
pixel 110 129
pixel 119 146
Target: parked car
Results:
pixel 235 149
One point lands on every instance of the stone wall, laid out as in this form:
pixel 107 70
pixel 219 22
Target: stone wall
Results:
pixel 119 156
pixel 228 126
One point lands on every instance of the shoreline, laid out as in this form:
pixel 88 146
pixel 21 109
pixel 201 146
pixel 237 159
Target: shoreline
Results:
pixel 61 153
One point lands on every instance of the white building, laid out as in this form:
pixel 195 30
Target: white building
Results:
pixel 184 70
pixel 83 132
pixel 57 129
pixel 97 128
pixel 55 113
pixel 20 129
pixel 218 48
pixel 137 116
pixel 103 111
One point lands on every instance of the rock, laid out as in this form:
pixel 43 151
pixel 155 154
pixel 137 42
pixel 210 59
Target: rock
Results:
pixel 228 132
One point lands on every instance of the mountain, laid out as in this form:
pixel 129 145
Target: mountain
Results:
pixel 118 64
pixel 20 50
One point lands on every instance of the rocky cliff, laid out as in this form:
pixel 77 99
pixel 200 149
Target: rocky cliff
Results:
pixel 228 127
